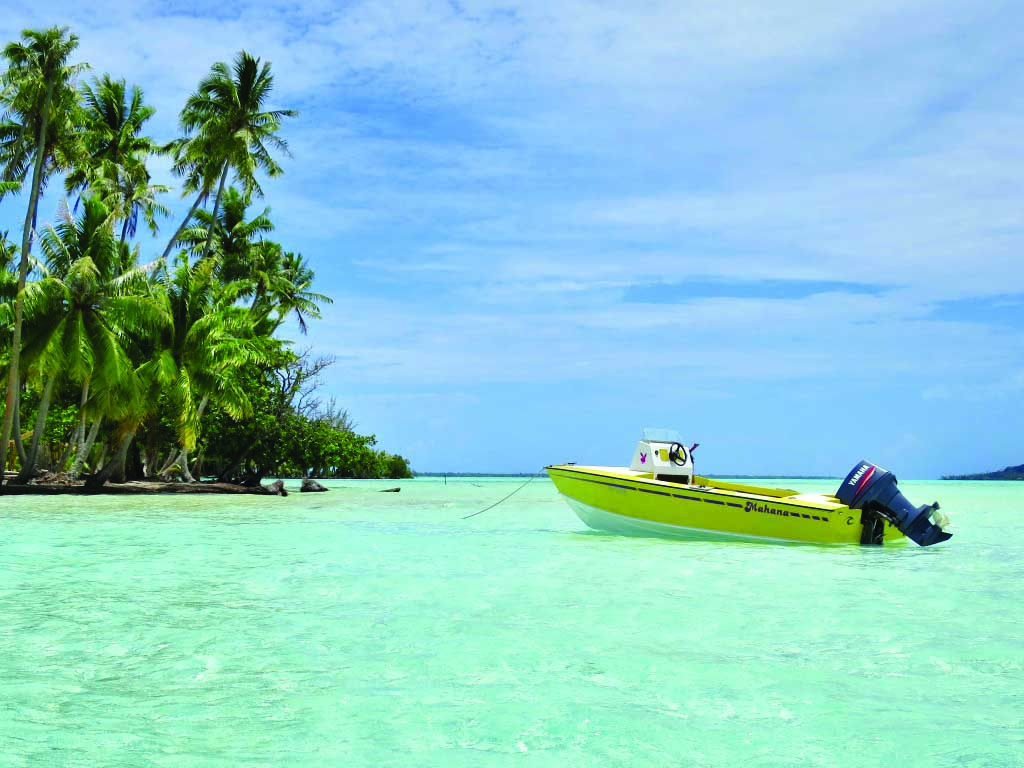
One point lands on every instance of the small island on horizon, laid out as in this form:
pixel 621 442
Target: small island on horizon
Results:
pixel 1008 473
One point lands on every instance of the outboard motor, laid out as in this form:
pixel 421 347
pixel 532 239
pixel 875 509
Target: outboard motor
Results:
pixel 873 490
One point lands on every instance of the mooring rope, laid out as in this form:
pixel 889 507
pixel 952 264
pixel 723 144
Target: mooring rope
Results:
pixel 517 490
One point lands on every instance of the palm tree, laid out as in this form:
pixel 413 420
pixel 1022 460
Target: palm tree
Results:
pixel 117 153
pixel 82 315
pixel 38 131
pixel 226 128
pixel 277 281
pixel 283 288
pixel 209 340
pixel 233 235
pixel 137 196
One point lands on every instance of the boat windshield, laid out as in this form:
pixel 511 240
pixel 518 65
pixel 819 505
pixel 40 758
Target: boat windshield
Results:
pixel 661 435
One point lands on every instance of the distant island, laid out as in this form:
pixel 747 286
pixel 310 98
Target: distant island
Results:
pixel 1009 473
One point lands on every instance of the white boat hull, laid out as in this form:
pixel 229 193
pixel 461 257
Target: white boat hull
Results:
pixel 603 520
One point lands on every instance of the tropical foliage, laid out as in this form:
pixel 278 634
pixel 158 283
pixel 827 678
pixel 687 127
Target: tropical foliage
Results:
pixel 117 363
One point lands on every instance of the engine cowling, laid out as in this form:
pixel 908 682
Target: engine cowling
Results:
pixel 872 489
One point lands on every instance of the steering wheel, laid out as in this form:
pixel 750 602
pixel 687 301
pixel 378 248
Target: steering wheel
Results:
pixel 677 454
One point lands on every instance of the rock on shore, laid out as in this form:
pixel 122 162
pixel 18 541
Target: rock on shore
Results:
pixel 276 488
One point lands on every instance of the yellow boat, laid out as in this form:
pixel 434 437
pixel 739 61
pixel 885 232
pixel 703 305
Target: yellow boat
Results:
pixel 659 494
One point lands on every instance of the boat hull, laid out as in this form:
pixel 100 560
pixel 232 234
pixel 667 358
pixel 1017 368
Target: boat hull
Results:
pixel 620 501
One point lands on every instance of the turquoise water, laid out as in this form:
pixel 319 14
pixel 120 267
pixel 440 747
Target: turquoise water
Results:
pixel 358 628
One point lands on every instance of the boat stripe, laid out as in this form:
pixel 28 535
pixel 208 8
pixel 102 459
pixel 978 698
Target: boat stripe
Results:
pixel 576 476
pixel 601 482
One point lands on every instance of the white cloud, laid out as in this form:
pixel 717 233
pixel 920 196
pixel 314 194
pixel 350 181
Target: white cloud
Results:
pixel 478 183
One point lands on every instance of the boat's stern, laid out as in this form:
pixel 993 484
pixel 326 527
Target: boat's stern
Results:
pixel 873 490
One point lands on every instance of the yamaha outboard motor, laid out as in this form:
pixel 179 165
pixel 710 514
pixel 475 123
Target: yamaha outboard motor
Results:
pixel 873 490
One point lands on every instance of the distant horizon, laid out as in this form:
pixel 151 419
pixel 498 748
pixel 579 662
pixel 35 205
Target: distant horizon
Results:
pixel 717 475
pixel 1016 470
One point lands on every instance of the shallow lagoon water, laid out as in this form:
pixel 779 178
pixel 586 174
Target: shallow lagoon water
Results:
pixel 360 628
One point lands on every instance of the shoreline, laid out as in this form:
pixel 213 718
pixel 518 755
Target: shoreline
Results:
pixel 135 487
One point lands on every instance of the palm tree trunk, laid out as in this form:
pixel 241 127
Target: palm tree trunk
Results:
pixel 205 401
pixel 80 432
pixel 213 218
pixel 115 465
pixel 28 469
pixel 119 473
pixel 188 217
pixel 183 462
pixel 84 448
pixel 73 439
pixel 13 380
pixel 184 454
pixel 171 458
pixel 174 458
pixel 101 460
pixel 149 458
pixel 181 458
pixel 19 446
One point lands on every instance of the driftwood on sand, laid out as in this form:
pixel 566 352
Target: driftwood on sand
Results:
pixel 50 485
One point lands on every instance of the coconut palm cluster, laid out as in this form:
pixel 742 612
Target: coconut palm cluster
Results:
pixel 122 363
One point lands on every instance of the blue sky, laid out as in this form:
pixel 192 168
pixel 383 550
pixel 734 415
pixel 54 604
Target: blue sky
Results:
pixel 792 230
